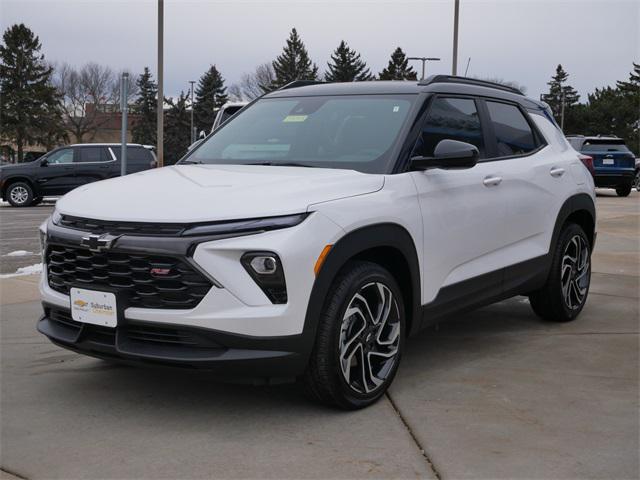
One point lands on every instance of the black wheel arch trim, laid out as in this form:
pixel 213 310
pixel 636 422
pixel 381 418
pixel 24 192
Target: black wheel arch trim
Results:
pixel 384 235
pixel 17 178
pixel 575 203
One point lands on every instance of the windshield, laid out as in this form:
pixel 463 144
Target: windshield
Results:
pixel 350 132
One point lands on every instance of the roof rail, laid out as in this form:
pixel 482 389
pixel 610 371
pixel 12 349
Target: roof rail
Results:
pixel 299 83
pixel 468 81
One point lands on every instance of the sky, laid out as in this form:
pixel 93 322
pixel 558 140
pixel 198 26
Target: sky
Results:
pixel 596 41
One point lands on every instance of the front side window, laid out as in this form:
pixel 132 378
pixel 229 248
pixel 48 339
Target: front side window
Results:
pixel 350 132
pixel 450 119
pixel 61 156
pixel 514 135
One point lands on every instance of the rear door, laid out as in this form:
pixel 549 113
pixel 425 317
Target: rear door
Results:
pixel 57 175
pixel 536 178
pixel 93 163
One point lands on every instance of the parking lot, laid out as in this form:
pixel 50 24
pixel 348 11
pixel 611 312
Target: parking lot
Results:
pixel 496 393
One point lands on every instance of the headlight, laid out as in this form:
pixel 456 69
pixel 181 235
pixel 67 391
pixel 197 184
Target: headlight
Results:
pixel 254 225
pixel 266 270
pixel 55 217
pixel 42 236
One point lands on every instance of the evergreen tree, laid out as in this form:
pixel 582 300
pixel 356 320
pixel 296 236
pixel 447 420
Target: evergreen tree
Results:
pixel 210 95
pixel 398 68
pixel 145 107
pixel 633 85
pixel 346 66
pixel 28 101
pixel 177 123
pixel 294 63
pixel 558 88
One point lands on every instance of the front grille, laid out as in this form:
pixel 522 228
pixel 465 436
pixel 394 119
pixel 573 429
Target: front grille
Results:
pixel 175 285
pixel 122 228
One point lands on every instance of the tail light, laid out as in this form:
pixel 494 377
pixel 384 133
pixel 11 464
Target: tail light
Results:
pixel 588 162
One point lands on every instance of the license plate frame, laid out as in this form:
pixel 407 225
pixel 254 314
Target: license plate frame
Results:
pixel 608 161
pixel 94 307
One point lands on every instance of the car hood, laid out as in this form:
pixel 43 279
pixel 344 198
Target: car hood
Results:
pixel 199 193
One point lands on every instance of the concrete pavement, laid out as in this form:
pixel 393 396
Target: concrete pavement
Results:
pixel 494 394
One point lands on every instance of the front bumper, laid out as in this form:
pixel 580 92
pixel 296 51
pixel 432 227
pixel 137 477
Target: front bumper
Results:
pixel 239 331
pixel 227 356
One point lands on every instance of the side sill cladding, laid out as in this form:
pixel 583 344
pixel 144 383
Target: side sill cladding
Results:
pixel 354 245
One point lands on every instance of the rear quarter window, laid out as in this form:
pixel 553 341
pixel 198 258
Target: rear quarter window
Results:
pixel 137 155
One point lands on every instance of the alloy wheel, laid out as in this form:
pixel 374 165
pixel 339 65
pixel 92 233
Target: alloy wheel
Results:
pixel 369 338
pixel 574 274
pixel 19 195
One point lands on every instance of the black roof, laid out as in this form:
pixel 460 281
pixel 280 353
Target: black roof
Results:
pixel 434 84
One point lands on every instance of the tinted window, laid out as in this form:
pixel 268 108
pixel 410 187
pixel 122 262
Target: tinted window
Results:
pixel 61 156
pixel 135 155
pixel 453 119
pixel 92 154
pixel 599 146
pixel 352 132
pixel 513 133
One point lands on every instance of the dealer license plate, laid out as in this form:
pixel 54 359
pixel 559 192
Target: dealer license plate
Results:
pixel 96 308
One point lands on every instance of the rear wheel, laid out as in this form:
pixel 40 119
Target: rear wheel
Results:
pixel 562 298
pixel 360 338
pixel 19 194
pixel 623 190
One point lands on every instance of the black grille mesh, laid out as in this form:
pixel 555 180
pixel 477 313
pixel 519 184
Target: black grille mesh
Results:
pixel 179 285
pixel 122 228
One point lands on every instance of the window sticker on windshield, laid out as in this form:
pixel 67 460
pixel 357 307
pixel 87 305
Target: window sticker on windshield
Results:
pixel 396 109
pixel 295 118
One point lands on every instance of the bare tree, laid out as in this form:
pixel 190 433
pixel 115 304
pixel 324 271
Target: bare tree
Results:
pixel 252 85
pixel 88 93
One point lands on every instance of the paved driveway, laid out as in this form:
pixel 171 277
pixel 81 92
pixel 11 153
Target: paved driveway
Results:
pixel 493 394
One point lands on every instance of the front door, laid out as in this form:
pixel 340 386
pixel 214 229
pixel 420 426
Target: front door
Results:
pixel 57 174
pixel 464 210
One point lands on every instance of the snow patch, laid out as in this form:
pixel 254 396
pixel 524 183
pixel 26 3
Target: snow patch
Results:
pixel 18 253
pixel 29 270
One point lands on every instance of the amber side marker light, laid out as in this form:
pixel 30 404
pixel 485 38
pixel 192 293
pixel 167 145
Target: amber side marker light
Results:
pixel 321 259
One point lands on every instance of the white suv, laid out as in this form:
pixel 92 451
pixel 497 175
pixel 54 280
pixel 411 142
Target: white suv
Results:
pixel 310 235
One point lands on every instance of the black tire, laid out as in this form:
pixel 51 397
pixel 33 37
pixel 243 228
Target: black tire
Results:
pixel 324 379
pixel 550 302
pixel 636 180
pixel 19 194
pixel 623 190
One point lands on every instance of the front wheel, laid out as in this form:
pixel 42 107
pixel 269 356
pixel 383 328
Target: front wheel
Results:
pixel 623 190
pixel 359 340
pixel 636 180
pixel 20 194
pixel 562 298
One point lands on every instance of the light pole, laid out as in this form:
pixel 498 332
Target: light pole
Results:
pixel 456 11
pixel 424 60
pixel 124 108
pixel 193 133
pixel 160 104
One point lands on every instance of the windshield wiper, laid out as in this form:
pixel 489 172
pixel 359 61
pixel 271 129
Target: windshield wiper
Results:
pixel 190 162
pixel 283 164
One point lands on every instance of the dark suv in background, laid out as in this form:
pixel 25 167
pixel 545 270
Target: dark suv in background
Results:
pixel 613 162
pixel 66 168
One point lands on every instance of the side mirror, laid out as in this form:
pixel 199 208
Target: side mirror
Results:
pixel 450 155
pixel 44 162
pixel 202 134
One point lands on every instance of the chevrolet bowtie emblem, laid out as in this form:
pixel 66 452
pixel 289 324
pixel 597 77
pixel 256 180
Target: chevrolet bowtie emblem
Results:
pixel 99 243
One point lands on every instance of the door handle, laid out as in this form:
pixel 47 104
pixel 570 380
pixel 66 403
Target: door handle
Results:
pixel 491 181
pixel 556 172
